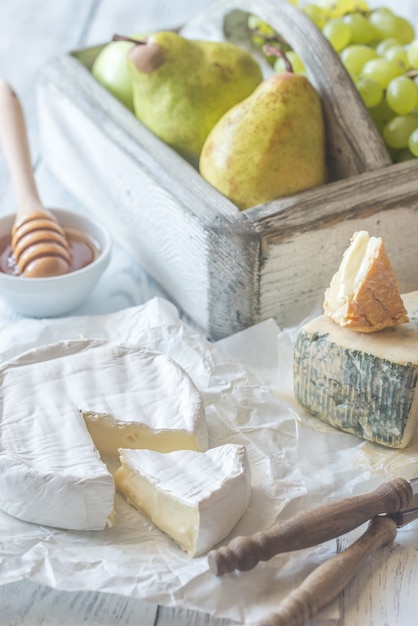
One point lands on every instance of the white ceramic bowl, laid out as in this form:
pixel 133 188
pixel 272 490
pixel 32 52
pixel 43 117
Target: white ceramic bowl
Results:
pixel 58 295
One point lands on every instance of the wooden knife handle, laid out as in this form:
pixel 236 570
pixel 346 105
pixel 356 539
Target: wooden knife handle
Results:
pixel 309 528
pixel 330 578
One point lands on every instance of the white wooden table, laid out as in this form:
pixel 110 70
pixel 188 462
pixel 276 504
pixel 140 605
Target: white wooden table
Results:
pixel 31 31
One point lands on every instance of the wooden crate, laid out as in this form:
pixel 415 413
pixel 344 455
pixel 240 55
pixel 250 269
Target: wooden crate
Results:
pixel 224 268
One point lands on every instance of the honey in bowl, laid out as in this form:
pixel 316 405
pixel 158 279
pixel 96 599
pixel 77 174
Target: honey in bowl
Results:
pixel 83 251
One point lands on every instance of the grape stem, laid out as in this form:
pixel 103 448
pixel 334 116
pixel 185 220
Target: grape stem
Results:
pixel 271 50
pixel 274 38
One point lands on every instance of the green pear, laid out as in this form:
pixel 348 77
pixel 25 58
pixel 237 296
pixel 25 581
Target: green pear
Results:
pixel 110 68
pixel 270 145
pixel 182 87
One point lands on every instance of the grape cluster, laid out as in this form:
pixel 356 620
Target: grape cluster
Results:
pixel 379 50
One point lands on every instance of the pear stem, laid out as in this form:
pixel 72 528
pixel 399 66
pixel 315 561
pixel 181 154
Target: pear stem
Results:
pixel 140 42
pixel 271 50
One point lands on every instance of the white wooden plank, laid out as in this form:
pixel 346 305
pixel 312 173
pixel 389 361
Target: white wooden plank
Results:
pixel 171 617
pixel 384 590
pixel 26 603
pixel 32 32
pixel 131 16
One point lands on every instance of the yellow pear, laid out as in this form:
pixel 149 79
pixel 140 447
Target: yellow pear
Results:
pixel 270 145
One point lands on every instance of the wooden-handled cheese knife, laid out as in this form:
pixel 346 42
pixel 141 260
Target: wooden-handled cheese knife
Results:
pixel 309 528
pixel 389 507
pixel 330 578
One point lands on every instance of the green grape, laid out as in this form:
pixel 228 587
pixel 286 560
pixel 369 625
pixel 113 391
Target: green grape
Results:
pixel 413 142
pixel 384 10
pixel 402 95
pixel 294 60
pixel 399 55
pixel 338 33
pixel 385 44
pixel 257 25
pixel 355 57
pixel 316 14
pixel 373 47
pixel 413 54
pixel 370 91
pixel 338 8
pixel 382 71
pixel 362 31
pixel 381 114
pixel 361 5
pixel 258 40
pixel 405 30
pixel 387 24
pixel 396 133
pixel 399 156
pixel 384 23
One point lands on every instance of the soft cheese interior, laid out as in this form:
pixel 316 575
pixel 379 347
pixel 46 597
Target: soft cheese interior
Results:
pixel 196 498
pixel 364 292
pixel 50 468
pixel 353 269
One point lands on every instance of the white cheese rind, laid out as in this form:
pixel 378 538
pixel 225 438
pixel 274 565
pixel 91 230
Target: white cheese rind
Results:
pixel 150 402
pixel 50 470
pixel 362 384
pixel 54 498
pixel 196 498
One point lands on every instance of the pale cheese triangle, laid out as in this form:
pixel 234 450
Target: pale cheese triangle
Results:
pixel 194 497
pixel 364 293
pixel 50 468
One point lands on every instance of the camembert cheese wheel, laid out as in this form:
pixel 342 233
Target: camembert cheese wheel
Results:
pixel 364 292
pixel 64 404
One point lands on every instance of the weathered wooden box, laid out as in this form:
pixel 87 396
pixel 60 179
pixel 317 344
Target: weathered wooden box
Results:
pixel 224 268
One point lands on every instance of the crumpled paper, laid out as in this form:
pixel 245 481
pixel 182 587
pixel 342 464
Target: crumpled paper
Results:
pixel 296 462
pixel 134 558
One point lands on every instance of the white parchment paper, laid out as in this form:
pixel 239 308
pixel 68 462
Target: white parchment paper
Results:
pixel 296 461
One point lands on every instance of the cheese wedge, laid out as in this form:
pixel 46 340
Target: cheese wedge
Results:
pixel 364 292
pixel 195 498
pixel 364 384
pixel 50 467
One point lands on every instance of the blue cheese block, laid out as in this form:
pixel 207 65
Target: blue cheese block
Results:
pixel 364 384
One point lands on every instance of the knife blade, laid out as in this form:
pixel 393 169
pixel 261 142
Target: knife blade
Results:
pixel 414 486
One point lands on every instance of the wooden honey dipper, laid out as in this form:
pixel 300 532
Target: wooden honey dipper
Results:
pixel 39 243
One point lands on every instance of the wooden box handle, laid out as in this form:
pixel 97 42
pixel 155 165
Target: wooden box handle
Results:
pixel 353 141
